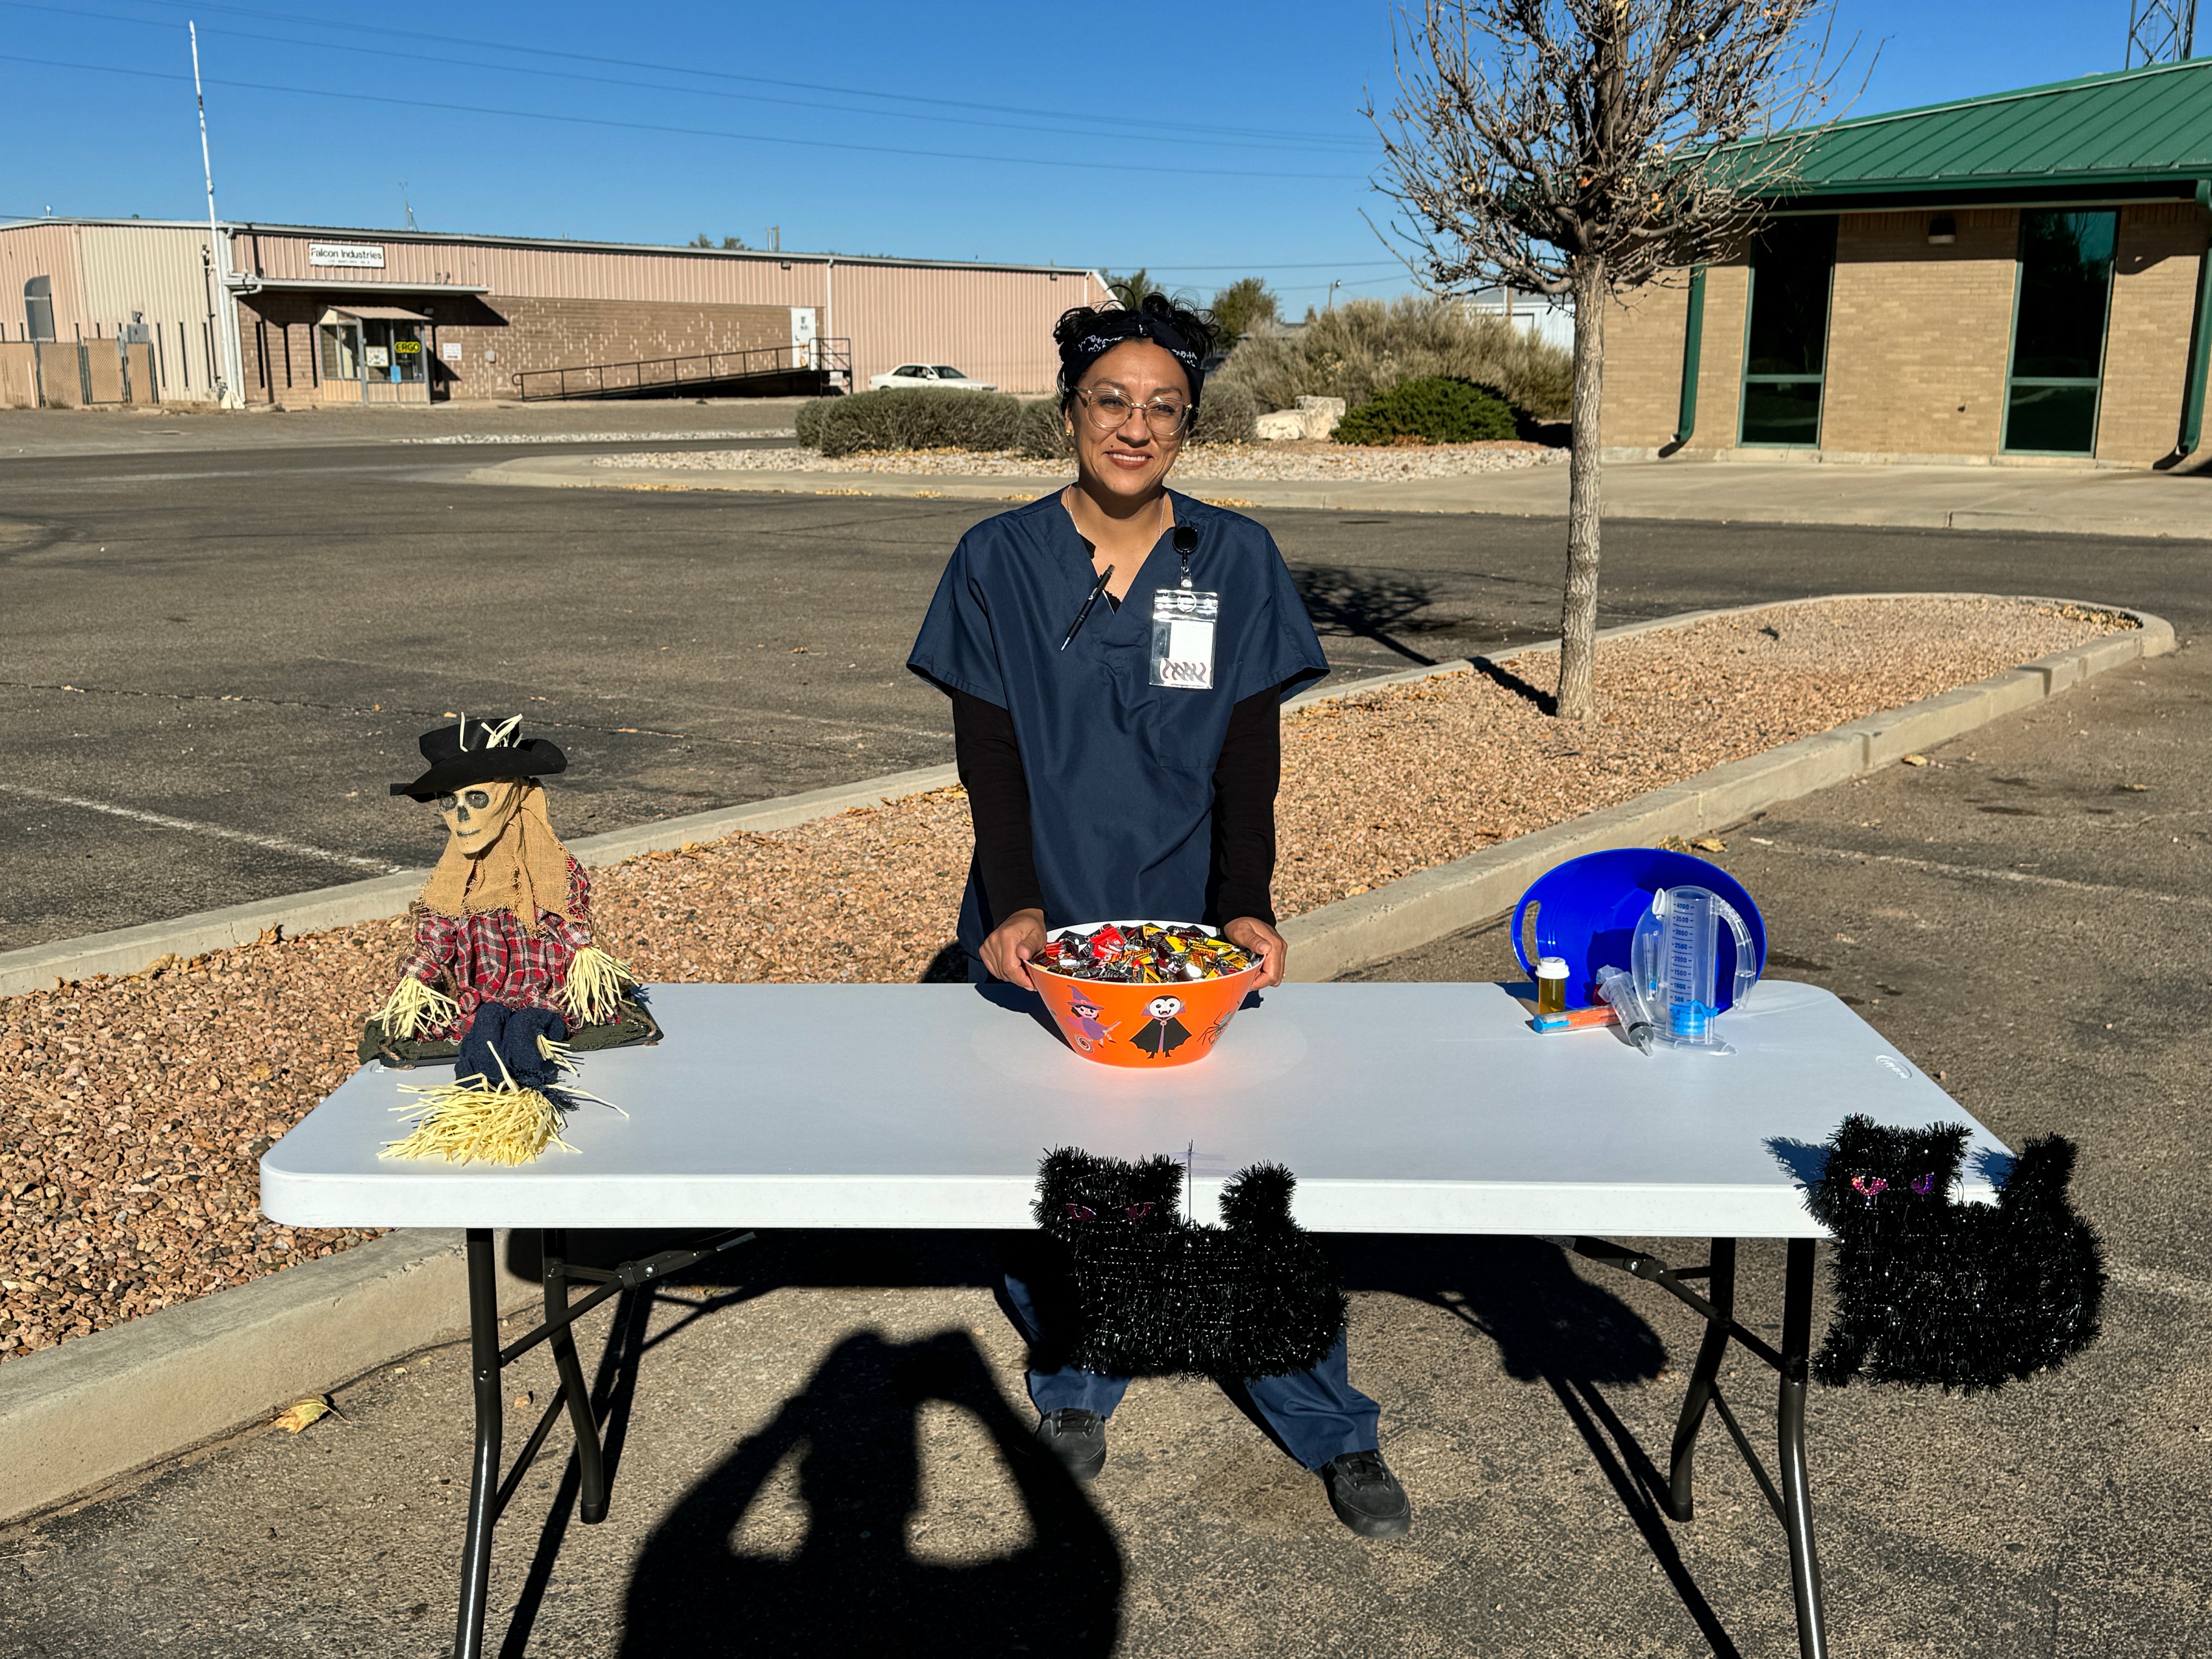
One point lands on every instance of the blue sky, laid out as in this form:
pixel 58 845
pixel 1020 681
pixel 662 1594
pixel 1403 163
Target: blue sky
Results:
pixel 1203 142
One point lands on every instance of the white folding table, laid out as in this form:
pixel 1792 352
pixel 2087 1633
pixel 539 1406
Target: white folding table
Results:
pixel 1401 1109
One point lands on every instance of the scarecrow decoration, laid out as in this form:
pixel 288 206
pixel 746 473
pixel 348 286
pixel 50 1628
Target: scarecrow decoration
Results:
pixel 503 978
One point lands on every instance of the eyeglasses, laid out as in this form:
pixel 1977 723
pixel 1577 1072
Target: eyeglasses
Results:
pixel 479 799
pixel 1109 412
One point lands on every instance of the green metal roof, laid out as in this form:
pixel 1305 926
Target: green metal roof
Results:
pixel 2144 126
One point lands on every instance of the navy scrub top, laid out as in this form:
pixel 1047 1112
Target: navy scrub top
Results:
pixel 1121 771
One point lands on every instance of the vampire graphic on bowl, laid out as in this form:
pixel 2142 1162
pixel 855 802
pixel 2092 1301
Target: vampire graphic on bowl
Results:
pixel 1162 1033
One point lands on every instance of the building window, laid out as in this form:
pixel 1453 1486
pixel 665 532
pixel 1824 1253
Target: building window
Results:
pixel 2058 331
pixel 1786 341
pixel 390 351
pixel 39 308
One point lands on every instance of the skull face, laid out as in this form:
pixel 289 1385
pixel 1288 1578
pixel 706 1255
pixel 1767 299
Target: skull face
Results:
pixel 475 816
pixel 1165 1007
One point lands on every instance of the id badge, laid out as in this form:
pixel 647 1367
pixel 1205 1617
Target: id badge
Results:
pixel 1182 638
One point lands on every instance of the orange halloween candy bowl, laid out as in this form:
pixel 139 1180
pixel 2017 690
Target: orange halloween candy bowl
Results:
pixel 1143 1025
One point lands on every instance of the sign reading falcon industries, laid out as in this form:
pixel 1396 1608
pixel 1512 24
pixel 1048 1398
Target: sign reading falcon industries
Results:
pixel 354 255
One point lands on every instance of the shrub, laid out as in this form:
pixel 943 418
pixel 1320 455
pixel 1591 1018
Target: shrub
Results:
pixel 806 425
pixel 1436 409
pixel 934 419
pixel 1227 414
pixel 1043 435
pixel 1365 347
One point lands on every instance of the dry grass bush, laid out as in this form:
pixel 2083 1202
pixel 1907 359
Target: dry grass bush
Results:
pixel 1365 347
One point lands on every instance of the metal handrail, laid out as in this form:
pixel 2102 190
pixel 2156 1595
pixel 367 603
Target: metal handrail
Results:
pixel 830 357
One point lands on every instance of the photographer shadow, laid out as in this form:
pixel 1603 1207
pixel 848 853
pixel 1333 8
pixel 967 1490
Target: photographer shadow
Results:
pixel 1554 1327
pixel 853 1586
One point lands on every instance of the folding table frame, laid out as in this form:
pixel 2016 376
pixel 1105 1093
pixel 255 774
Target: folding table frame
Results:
pixel 488 1494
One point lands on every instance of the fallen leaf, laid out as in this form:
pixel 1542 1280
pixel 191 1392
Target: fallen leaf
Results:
pixel 525 1397
pixel 296 1416
pixel 1916 760
pixel 1710 844
pixel 271 935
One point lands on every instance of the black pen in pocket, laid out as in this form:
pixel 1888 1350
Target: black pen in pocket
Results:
pixel 1084 615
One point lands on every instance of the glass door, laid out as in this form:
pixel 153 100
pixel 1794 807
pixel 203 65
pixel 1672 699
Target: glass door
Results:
pixel 1793 262
pixel 2058 332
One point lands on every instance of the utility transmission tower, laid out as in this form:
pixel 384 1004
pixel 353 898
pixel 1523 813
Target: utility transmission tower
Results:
pixel 2160 31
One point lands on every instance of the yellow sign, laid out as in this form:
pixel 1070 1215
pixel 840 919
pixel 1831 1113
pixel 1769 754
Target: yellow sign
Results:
pixel 406 348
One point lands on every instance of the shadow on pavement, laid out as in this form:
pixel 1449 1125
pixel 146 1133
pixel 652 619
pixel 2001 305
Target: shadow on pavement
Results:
pixel 1365 606
pixel 851 1587
pixel 1552 1327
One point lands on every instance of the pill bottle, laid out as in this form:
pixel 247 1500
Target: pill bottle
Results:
pixel 1551 985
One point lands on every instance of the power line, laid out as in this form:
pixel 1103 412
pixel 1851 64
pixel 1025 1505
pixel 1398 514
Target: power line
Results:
pixel 416 57
pixel 384 31
pixel 689 132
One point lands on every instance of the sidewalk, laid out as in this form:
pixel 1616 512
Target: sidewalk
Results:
pixel 2073 501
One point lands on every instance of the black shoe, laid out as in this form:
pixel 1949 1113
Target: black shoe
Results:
pixel 1366 1496
pixel 1076 1438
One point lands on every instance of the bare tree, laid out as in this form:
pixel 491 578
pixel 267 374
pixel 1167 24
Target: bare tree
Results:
pixel 1584 148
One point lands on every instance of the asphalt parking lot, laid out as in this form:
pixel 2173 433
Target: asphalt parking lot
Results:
pixel 825 1454
pixel 215 659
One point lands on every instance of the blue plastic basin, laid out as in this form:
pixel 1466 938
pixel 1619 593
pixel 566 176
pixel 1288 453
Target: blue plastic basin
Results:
pixel 1587 908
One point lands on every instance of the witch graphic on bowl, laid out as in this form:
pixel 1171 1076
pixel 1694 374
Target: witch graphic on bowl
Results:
pixel 1089 1032
pixel 1163 1033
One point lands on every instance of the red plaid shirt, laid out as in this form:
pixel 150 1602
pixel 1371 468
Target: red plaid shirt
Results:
pixel 490 959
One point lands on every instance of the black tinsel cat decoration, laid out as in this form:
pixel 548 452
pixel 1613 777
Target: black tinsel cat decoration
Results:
pixel 1155 1294
pixel 1932 1289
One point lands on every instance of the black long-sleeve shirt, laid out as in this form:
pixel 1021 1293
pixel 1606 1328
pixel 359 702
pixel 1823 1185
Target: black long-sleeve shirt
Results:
pixel 1245 779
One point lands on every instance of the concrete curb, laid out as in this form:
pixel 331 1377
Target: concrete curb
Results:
pixel 107 1405
pixel 1517 492
pixel 128 950
pixel 1416 909
pixel 103 1407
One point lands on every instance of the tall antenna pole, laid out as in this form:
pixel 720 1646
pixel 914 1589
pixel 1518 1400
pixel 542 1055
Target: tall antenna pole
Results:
pixel 227 373
pixel 2161 30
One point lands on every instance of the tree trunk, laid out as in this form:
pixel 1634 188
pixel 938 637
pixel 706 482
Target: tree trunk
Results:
pixel 1578 697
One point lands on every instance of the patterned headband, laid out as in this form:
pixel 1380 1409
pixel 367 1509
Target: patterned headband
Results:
pixel 1091 347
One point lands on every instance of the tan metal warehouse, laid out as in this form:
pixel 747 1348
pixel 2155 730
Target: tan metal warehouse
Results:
pixel 308 314
pixel 2018 277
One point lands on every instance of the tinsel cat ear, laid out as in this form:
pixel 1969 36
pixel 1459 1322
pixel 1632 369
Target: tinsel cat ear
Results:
pixel 1259 1198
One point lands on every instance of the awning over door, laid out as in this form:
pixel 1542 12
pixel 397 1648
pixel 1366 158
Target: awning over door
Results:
pixel 371 314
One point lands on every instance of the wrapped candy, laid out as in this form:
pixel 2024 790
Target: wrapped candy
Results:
pixel 1144 954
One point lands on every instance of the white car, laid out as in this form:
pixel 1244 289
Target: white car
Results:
pixel 908 376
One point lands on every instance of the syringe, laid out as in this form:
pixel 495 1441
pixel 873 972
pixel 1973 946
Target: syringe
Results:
pixel 1619 992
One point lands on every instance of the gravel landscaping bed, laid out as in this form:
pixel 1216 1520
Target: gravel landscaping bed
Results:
pixel 132 1111
pixel 1289 461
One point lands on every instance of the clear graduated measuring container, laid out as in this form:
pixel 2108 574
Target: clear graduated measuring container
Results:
pixel 1676 950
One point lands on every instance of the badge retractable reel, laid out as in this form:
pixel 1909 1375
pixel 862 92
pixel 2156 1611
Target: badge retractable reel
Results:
pixel 1183 626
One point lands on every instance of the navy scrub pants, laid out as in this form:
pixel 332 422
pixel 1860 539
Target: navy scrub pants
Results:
pixel 1317 1414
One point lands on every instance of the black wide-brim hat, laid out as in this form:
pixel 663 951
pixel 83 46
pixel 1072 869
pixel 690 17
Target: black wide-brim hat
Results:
pixel 476 751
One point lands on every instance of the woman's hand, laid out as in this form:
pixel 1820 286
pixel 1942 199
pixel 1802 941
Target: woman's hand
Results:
pixel 1007 953
pixel 1263 942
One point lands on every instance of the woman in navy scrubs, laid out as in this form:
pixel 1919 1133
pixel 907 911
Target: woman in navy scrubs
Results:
pixel 1098 792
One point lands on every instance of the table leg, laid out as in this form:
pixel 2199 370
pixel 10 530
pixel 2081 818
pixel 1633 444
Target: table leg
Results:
pixel 484 1478
pixel 1720 1291
pixel 1796 1495
pixel 592 1504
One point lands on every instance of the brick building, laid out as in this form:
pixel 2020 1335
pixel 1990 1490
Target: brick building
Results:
pixel 2020 275
pixel 301 315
